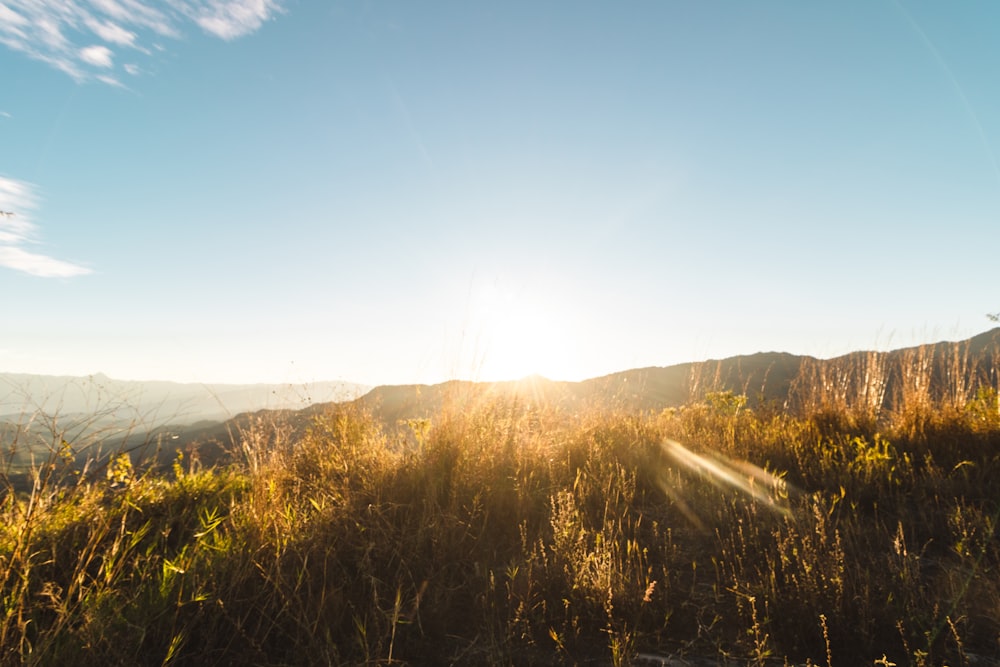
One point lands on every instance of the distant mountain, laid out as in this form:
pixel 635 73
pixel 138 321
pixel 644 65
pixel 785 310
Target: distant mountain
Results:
pixel 869 379
pixel 104 400
pixel 767 376
pixel 764 376
pixel 98 415
pixel 776 378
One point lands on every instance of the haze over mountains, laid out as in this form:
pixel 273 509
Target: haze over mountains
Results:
pixel 191 413
pixel 155 403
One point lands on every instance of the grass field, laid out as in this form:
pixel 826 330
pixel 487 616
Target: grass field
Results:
pixel 827 532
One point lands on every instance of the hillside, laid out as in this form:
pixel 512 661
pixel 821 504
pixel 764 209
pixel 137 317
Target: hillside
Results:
pixel 767 377
pixel 836 532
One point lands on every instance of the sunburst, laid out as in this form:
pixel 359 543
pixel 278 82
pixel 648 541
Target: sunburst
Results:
pixel 517 335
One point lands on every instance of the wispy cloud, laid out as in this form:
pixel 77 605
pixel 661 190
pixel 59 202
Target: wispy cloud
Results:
pixel 110 80
pixel 62 33
pixel 98 56
pixel 111 32
pixel 233 18
pixel 18 201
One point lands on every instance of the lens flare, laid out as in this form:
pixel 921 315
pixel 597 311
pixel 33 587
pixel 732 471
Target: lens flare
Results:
pixel 762 487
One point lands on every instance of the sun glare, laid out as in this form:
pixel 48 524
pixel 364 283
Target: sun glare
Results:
pixel 517 335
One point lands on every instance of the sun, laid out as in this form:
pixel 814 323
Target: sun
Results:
pixel 517 334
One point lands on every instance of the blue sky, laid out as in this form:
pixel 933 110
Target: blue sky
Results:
pixel 391 192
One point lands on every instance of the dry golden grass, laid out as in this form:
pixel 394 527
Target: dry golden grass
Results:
pixel 500 533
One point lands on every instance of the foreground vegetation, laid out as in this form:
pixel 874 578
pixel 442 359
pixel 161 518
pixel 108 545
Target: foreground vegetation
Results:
pixel 501 533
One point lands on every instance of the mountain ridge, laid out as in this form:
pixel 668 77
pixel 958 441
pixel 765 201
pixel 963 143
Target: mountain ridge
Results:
pixel 868 380
pixel 764 377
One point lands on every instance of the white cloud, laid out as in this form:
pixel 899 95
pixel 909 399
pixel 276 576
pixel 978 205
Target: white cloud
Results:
pixel 50 34
pixel 111 32
pixel 61 32
pixel 99 56
pixel 132 69
pixel 34 264
pixel 16 196
pixel 234 18
pixel 18 200
pixel 139 14
pixel 110 80
pixel 5 114
pixel 11 18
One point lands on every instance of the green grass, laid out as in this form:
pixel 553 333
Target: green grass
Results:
pixel 498 533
